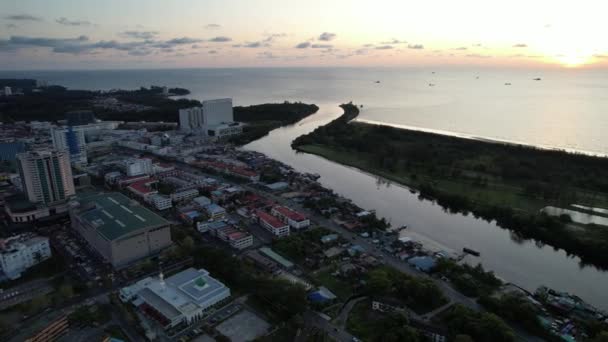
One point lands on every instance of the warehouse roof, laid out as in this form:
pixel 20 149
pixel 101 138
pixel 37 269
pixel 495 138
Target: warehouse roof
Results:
pixel 115 215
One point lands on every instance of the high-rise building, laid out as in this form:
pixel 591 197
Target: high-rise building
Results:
pixel 191 119
pixel 214 119
pixel 217 112
pixel 70 139
pixel 80 117
pixel 46 176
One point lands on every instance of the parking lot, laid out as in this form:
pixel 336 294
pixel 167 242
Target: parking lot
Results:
pixel 245 326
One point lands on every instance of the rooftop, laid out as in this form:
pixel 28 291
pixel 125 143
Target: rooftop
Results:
pixel 115 215
pixel 291 214
pixel 271 220
pixel 276 257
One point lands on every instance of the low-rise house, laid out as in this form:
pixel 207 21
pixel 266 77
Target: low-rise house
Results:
pixel 202 201
pixel 160 202
pixel 240 240
pixel 215 212
pixel 20 252
pixel 184 195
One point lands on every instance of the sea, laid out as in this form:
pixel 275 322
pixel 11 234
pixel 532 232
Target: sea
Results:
pixel 560 109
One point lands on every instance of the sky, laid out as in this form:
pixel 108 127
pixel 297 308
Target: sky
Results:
pixel 86 34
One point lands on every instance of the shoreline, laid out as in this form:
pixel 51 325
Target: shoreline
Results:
pixel 483 139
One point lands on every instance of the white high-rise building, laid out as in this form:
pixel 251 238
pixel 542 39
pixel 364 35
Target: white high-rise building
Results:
pixel 21 252
pixel 46 176
pixel 72 140
pixel 191 119
pixel 217 112
pixel 138 166
pixel 8 91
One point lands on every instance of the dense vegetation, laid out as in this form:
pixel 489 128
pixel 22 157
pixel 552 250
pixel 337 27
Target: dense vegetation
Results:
pixel 494 181
pixel 51 104
pixel 418 294
pixel 515 308
pixel 469 280
pixel 370 325
pixel 262 119
pixel 480 326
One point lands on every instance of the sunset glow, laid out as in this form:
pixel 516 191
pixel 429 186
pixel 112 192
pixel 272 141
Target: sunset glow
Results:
pixel 190 33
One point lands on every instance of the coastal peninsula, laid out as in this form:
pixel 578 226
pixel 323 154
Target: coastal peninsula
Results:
pixel 514 185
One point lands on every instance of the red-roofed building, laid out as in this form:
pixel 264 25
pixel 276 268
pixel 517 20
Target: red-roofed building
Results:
pixel 143 188
pixel 240 240
pixel 293 218
pixel 272 224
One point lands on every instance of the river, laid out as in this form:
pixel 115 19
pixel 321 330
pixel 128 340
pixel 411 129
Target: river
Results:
pixel 523 262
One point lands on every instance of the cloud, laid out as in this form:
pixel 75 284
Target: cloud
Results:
pixel 213 26
pixel 212 52
pixel 23 17
pixel 139 34
pixel 81 44
pixel 476 55
pixel 361 52
pixel 254 45
pixel 520 45
pixel 415 46
pixel 327 36
pixel 11 26
pixel 267 54
pixel 220 39
pixel 270 37
pixel 394 41
pixel 141 52
pixel 384 47
pixel 183 40
pixel 600 56
pixel 321 46
pixel 66 22
pixel 303 45
pixel 461 48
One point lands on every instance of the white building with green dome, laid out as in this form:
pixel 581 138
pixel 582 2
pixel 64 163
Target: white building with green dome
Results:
pixel 185 297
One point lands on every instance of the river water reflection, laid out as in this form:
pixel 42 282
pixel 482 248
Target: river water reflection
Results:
pixel 524 262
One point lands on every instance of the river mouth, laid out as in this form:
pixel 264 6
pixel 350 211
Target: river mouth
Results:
pixel 526 263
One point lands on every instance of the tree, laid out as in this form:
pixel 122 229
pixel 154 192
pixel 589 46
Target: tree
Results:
pixel 188 243
pixel 463 338
pixel 379 282
pixel 66 290
pixel 601 337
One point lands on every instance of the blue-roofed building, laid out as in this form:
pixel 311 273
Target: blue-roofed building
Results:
pixel 423 263
pixel 322 295
pixel 215 212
